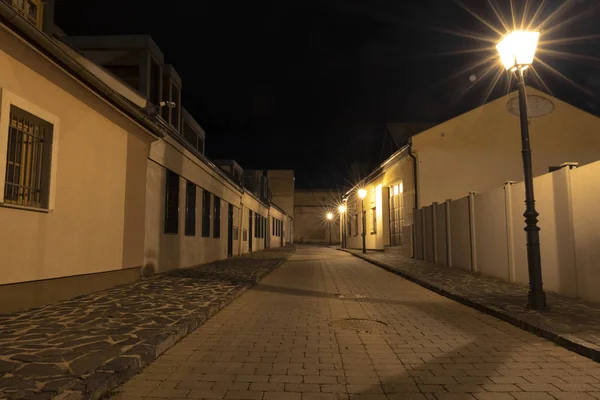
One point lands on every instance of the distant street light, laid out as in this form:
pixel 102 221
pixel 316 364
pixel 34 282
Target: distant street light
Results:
pixel 362 193
pixel 517 52
pixel 329 218
pixel 342 210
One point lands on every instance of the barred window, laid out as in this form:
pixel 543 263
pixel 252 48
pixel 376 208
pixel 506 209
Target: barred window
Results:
pixel 27 179
pixel 205 213
pixel 172 203
pixel 217 218
pixel 190 209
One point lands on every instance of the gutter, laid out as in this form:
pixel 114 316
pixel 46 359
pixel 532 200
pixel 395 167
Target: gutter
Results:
pixel 380 169
pixel 46 45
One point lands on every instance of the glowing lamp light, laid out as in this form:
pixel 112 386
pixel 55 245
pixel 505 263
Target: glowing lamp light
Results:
pixel 362 193
pixel 517 49
pixel 329 216
pixel 342 208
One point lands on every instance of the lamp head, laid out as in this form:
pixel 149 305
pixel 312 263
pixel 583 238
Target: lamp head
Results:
pixel 517 49
pixel 362 193
pixel 329 216
pixel 342 208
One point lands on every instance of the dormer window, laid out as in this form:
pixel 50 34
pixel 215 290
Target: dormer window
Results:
pixel 171 94
pixel 155 81
pixel 30 9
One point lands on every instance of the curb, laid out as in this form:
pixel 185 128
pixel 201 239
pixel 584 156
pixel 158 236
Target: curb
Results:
pixel 108 377
pixel 570 342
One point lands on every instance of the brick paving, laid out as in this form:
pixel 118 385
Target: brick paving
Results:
pixel 573 323
pixel 90 344
pixel 327 325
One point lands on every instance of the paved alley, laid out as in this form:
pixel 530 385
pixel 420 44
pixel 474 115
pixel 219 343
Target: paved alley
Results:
pixel 327 325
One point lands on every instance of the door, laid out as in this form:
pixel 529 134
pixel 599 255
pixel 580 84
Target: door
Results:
pixel 250 231
pixel 230 231
pixel 396 215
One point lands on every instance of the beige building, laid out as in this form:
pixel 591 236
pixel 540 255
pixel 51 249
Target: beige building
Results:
pixel 474 152
pixel 310 216
pixel 102 170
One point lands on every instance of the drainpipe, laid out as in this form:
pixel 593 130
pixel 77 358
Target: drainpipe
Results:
pixel 416 186
pixel 410 153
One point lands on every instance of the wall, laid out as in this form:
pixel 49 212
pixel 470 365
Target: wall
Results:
pixel 487 232
pixel 310 222
pixel 396 171
pixel 282 189
pixel 169 251
pixel 99 167
pixel 275 237
pixel 481 149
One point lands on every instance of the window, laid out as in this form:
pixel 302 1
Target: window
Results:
pixel 236 233
pixel 166 95
pixel 217 218
pixel 172 203
pixel 355 224
pixel 155 81
pixel 245 235
pixel 190 209
pixel 29 150
pixel 175 94
pixel 264 232
pixel 30 9
pixel 256 225
pixel 206 214
pixel 373 220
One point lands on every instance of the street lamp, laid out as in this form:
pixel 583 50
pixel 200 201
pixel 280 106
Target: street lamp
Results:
pixel 362 193
pixel 517 51
pixel 342 210
pixel 329 218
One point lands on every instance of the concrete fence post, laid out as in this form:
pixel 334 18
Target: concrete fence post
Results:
pixel 510 244
pixel 448 234
pixel 474 267
pixel 434 230
pixel 570 215
pixel 423 236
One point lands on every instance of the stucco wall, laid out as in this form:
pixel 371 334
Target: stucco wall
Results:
pixel 310 210
pixel 566 200
pixel 98 170
pixel 282 189
pixel 169 251
pixel 481 149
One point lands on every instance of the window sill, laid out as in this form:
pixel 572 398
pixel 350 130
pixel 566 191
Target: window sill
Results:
pixel 25 208
pixel 374 233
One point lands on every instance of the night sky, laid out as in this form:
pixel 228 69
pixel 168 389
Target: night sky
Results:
pixel 309 85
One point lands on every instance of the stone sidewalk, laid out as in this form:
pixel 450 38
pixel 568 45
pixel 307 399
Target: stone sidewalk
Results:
pixel 571 323
pixel 86 346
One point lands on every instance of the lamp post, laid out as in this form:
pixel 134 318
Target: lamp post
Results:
pixel 362 193
pixel 329 218
pixel 517 51
pixel 342 210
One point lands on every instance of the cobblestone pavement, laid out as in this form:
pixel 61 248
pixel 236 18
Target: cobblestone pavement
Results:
pixel 90 344
pixel 327 325
pixel 570 322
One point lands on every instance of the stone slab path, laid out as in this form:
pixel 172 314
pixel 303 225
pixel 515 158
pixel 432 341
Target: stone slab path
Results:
pixel 572 323
pixel 88 345
pixel 328 326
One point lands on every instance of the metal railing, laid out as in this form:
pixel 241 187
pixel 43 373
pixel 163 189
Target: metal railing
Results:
pixel 25 162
